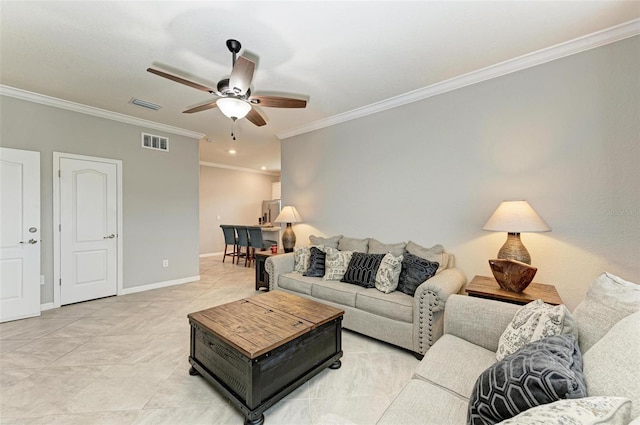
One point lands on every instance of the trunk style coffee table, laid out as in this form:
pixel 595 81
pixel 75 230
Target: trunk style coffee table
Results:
pixel 257 350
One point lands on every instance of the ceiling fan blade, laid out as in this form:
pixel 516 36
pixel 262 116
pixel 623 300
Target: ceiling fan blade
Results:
pixel 181 80
pixel 241 76
pixel 278 102
pixel 201 108
pixel 255 117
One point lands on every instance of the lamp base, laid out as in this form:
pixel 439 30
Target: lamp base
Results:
pixel 288 239
pixel 513 249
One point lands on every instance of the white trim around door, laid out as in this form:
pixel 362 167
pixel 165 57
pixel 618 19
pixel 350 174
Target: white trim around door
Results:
pixel 57 156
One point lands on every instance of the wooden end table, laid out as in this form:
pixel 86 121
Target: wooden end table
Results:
pixel 262 277
pixel 487 287
pixel 257 350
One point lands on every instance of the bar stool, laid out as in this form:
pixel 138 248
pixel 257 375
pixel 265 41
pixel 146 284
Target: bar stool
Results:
pixel 229 239
pixel 256 241
pixel 243 241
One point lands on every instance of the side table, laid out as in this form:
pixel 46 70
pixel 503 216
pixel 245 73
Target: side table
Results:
pixel 262 277
pixel 487 287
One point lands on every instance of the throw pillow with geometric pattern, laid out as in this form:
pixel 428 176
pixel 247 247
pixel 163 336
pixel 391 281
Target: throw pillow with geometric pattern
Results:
pixel 336 263
pixel 541 372
pixel 414 271
pixel 388 273
pixel 316 263
pixel 362 269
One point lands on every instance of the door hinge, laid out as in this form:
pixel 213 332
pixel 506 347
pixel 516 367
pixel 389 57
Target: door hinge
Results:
pixel 59 227
pixel 60 281
pixel 59 173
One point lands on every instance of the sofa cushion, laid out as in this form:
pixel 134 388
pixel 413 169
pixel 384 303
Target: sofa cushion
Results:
pixel 301 257
pixel 541 372
pixel 612 365
pixel 608 299
pixel 337 292
pixel 414 271
pixel 421 403
pixel 581 411
pixel 353 244
pixel 395 305
pixel 316 263
pixel 388 273
pixel 532 322
pixel 377 247
pixel 296 282
pixel 454 364
pixel 434 254
pixel 336 263
pixel 331 242
pixel 362 269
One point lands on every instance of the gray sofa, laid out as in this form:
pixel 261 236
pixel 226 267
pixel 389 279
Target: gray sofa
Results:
pixel 608 321
pixel 414 323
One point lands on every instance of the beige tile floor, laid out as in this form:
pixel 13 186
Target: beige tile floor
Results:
pixel 123 360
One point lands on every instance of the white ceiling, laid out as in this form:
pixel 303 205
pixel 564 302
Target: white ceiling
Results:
pixel 339 55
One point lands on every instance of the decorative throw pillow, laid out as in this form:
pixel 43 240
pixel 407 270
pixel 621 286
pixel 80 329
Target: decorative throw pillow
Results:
pixel 435 254
pixel 377 247
pixel 580 411
pixel 336 263
pixel 301 257
pixel 414 271
pixel 362 269
pixel 316 263
pixel 327 242
pixel 353 244
pixel 541 372
pixel 532 322
pixel 608 299
pixel 388 273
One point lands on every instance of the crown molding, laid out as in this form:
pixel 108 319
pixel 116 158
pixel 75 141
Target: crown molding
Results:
pixel 236 168
pixel 581 44
pixel 96 112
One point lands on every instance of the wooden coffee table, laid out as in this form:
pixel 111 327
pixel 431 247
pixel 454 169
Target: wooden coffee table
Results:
pixel 257 350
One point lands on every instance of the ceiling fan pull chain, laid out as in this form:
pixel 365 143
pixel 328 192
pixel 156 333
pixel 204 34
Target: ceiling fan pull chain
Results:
pixel 233 126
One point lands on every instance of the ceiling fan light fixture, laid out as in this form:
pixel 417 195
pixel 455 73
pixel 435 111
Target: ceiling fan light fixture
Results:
pixel 233 108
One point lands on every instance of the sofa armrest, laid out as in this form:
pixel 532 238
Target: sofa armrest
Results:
pixel 429 303
pixel 277 265
pixel 478 320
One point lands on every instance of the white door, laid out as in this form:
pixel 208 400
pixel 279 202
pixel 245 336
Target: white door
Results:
pixel 19 234
pixel 88 233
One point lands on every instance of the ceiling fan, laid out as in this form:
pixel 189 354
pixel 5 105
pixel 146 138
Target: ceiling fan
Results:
pixel 234 93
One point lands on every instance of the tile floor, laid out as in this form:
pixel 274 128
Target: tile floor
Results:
pixel 123 360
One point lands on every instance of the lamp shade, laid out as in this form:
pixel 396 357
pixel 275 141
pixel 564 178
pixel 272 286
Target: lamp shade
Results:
pixel 516 217
pixel 233 108
pixel 289 214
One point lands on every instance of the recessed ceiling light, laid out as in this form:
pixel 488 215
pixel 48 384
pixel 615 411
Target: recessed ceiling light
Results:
pixel 232 151
pixel 263 168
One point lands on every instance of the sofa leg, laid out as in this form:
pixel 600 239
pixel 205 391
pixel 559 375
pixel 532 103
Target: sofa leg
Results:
pixel 418 356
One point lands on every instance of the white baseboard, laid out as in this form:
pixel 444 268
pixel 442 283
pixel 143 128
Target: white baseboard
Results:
pixel 47 306
pixel 211 254
pixel 157 285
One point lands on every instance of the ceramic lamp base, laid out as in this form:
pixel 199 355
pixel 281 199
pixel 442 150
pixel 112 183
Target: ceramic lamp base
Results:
pixel 514 250
pixel 288 238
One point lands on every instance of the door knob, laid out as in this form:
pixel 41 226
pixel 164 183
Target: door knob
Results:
pixel 30 241
pixel 111 236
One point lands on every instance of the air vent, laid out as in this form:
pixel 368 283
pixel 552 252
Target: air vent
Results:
pixel 151 141
pixel 145 104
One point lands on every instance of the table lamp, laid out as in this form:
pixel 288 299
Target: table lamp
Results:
pixel 515 217
pixel 288 215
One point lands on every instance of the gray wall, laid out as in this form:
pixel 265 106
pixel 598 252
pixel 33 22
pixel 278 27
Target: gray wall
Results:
pixel 160 189
pixel 563 135
pixel 233 195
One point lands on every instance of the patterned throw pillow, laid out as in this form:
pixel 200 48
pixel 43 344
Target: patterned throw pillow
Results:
pixel 301 257
pixel 362 269
pixel 532 322
pixel 580 411
pixel 316 263
pixel 415 270
pixel 541 372
pixel 388 273
pixel 336 263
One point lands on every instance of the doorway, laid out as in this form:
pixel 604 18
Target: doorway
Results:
pixel 88 216
pixel 20 235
